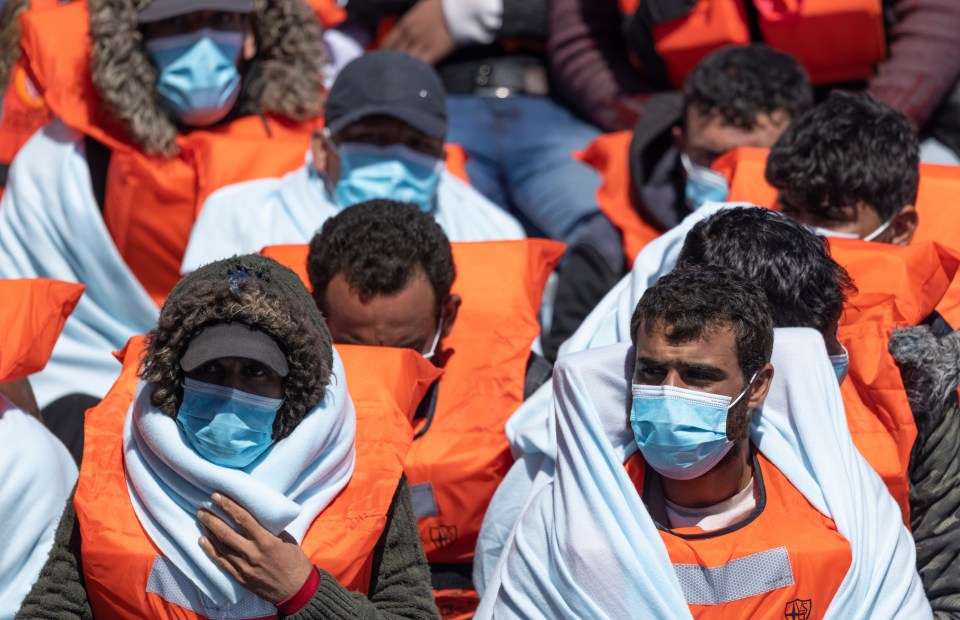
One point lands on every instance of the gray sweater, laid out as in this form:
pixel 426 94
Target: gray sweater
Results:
pixel 930 367
pixel 399 586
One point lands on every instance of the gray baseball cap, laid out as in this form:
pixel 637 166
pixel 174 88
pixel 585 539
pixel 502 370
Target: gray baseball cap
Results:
pixel 158 10
pixel 234 340
pixel 392 84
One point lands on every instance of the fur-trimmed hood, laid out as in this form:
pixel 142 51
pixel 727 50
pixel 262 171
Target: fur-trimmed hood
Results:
pixel 10 38
pixel 283 79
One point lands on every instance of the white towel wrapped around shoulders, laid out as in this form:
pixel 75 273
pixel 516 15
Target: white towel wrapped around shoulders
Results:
pixel 284 489
pixel 585 546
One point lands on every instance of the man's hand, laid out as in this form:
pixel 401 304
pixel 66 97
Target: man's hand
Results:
pixel 422 32
pixel 274 568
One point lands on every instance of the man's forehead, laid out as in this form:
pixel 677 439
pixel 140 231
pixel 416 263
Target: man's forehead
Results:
pixel 714 340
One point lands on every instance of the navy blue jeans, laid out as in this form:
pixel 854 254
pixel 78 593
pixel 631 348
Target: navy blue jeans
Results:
pixel 520 157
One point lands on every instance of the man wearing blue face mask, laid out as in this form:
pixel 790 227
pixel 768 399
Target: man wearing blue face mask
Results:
pixel 386 119
pixel 692 482
pixel 737 96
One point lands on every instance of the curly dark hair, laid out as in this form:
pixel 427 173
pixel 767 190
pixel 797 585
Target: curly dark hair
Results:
pixel 378 246
pixel 257 292
pixel 849 149
pixel 805 287
pixel 694 298
pixel 739 83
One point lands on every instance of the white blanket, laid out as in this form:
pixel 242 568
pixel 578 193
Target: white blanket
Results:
pixel 285 488
pixel 585 547
pixel 51 227
pixel 247 217
pixel 530 428
pixel 36 477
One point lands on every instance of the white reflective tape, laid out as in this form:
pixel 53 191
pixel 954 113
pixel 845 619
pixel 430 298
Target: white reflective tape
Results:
pixel 742 578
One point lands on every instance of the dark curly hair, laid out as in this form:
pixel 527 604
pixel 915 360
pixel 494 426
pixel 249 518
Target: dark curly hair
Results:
pixel 257 292
pixel 378 246
pixel 805 287
pixel 739 83
pixel 850 149
pixel 694 298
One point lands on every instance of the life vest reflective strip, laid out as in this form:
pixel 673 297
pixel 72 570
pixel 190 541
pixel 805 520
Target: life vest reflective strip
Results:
pixel 32 314
pixel 151 203
pixel 117 554
pixel 610 155
pixel 789 534
pixel 834 40
pixel 465 454
pixel 939 219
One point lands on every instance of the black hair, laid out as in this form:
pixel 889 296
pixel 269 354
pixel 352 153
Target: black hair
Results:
pixel 739 83
pixel 850 149
pixel 378 246
pixel 695 298
pixel 805 287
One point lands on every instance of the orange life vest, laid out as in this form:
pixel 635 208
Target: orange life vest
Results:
pixel 461 459
pixel 787 535
pixel 897 286
pixel 329 12
pixel 24 111
pixel 151 203
pixel 610 155
pixel 939 221
pixel 32 314
pixel 117 554
pixel 835 40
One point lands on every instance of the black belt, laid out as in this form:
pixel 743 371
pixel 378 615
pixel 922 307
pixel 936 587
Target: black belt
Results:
pixel 496 77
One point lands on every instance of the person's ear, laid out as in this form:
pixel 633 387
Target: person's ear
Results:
pixel 761 385
pixel 450 309
pixel 249 42
pixel 679 138
pixel 318 150
pixel 904 225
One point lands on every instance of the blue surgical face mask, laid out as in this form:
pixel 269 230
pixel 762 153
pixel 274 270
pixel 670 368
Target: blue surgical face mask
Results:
pixel 681 433
pixel 226 426
pixel 703 184
pixel 394 172
pixel 198 81
pixel 840 363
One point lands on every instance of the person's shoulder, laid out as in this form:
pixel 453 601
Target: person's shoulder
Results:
pixel 45 153
pixel 471 216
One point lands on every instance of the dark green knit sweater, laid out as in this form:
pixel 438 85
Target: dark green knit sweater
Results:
pixel 399 588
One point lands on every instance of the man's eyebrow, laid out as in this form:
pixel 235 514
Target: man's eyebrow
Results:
pixel 649 362
pixel 704 368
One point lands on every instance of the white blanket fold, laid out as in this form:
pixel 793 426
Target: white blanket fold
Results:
pixel 284 489
pixel 585 546
pixel 51 227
